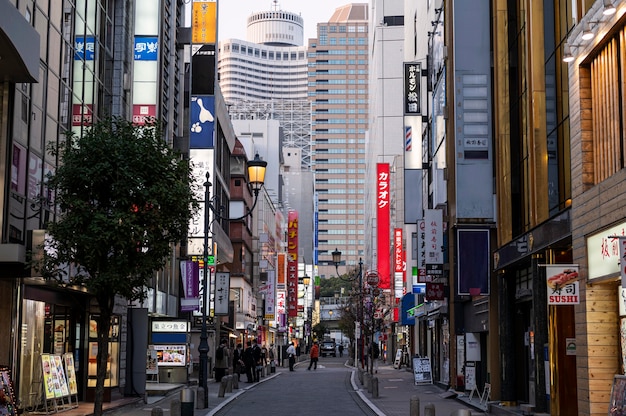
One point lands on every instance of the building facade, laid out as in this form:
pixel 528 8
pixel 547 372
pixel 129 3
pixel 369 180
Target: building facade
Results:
pixel 338 90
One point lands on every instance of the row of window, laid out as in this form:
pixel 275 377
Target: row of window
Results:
pixel 337 92
pixel 339 101
pixel 339 131
pixel 338 151
pixel 341 121
pixel 348 231
pixel 342 222
pixel 338 52
pixel 339 72
pixel 234 62
pixel 276 15
pixel 347 41
pixel 261 53
pixel 342 62
pixel 341 141
pixel 339 171
pixel 340 181
pixel 338 82
pixel 351 191
pixel 342 29
pixel 340 111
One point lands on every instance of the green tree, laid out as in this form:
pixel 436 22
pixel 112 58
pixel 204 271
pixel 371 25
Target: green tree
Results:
pixel 123 197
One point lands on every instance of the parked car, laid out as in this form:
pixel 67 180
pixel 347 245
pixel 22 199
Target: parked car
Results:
pixel 328 348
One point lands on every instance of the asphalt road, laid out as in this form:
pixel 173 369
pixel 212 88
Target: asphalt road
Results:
pixel 326 390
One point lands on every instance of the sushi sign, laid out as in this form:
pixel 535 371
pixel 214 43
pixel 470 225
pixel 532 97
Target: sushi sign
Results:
pixel 562 282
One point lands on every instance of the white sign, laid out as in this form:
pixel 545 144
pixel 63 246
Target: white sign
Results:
pixel 169 326
pixel 222 292
pixel 603 252
pixel 433 223
pixel 622 259
pixel 562 281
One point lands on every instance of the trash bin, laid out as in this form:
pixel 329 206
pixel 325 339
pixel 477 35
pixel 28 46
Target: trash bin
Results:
pixel 186 402
pixel 272 366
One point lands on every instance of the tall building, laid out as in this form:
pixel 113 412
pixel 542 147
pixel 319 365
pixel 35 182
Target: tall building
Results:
pixel 64 66
pixel 264 78
pixel 338 90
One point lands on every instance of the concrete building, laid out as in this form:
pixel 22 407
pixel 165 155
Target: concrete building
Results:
pixel 64 66
pixel 338 89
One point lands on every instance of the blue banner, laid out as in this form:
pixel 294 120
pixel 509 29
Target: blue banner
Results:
pixel 146 48
pixel 202 121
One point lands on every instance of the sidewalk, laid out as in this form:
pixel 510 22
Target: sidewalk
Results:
pixel 397 395
pixel 397 391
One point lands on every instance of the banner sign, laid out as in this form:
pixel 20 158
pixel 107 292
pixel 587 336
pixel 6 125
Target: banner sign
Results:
pixel 222 292
pixel 190 276
pixel 562 281
pixel 383 185
pixel 292 264
pixel 412 79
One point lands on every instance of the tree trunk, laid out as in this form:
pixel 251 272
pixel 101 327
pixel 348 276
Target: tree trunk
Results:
pixel 104 326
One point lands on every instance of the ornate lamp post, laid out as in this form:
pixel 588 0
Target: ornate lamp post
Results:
pixel 256 179
pixel 336 261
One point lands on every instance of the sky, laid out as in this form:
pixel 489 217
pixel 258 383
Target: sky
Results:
pixel 232 14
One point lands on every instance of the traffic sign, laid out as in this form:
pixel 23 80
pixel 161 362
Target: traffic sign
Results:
pixel 372 279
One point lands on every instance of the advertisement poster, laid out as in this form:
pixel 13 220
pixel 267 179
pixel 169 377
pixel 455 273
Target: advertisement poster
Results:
pixel 70 370
pixel 171 355
pixel 562 281
pixel 152 361
pixel 48 377
pixel 58 364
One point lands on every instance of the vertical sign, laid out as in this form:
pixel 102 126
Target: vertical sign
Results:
pixel 292 264
pixel 398 263
pixel 433 224
pixel 412 99
pixel 204 21
pixel 270 296
pixel 622 259
pixel 382 218
pixel 222 291
pixel 190 276
pixel 422 277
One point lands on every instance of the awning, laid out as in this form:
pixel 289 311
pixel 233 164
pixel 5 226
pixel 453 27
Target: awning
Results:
pixel 19 46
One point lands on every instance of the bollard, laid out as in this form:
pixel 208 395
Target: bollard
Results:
pixel 222 390
pixel 374 384
pixel 176 407
pixel 236 382
pixel 429 409
pixel 156 411
pixel 229 384
pixel 186 402
pixel 200 402
pixel 415 406
pixel 360 374
pixel 368 382
pixel 461 412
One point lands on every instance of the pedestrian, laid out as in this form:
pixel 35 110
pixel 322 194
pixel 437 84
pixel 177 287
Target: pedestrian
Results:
pixel 248 359
pixel 341 350
pixel 291 353
pixel 374 354
pixel 256 354
pixel 238 364
pixel 221 360
pixel 314 353
pixel 272 357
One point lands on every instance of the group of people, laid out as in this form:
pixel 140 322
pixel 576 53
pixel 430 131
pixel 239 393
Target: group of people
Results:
pixel 251 360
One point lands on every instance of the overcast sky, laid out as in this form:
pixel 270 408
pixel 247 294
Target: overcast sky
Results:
pixel 233 14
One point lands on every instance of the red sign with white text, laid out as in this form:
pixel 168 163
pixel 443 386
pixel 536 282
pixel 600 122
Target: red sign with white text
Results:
pixel 383 189
pixel 292 264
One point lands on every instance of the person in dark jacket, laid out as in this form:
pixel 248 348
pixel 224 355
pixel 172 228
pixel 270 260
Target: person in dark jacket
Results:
pixel 248 359
pixel 258 366
pixel 238 364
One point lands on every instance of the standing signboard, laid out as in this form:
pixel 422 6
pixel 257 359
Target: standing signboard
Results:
pixel 422 372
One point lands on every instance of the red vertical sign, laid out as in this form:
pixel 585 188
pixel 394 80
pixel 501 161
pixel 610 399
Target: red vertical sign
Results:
pixel 292 264
pixel 383 193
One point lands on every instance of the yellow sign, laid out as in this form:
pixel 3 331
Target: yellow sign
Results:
pixel 204 22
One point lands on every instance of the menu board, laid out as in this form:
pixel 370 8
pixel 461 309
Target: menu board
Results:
pixel 7 394
pixel 422 371
pixel 55 383
pixel 171 355
pixel 70 370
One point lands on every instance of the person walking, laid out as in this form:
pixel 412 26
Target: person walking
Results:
pixel 314 353
pixel 221 360
pixel 272 356
pixel 291 353
pixel 375 354
pixel 248 359
pixel 256 354
pixel 238 364
pixel 340 350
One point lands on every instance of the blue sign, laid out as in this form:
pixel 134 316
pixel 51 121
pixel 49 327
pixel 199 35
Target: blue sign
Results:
pixel 202 121
pixel 84 48
pixel 146 48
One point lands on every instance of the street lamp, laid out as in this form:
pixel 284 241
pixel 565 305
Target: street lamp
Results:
pixel 336 260
pixel 307 329
pixel 256 178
